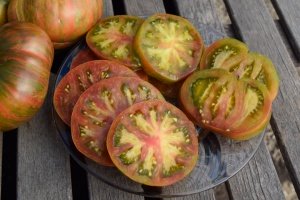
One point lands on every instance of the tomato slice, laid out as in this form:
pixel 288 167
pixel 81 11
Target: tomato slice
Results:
pixel 216 100
pixel 112 39
pixel 97 107
pixel 224 53
pixel 76 81
pixel 153 143
pixel 169 47
pixel 84 55
pixel 142 74
pixel 260 68
pixel 168 90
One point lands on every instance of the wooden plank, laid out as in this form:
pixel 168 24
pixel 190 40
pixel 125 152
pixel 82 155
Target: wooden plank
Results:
pixel 107 8
pixel 144 7
pixel 289 17
pixel 43 163
pixel 207 14
pixel 257 28
pixel 262 186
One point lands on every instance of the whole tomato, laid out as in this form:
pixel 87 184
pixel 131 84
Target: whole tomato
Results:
pixel 64 20
pixel 26 55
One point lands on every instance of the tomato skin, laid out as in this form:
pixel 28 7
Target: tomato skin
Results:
pixel 217 101
pixel 110 30
pixel 168 90
pixel 83 56
pixel 131 170
pixel 64 20
pixel 195 45
pixel 25 62
pixel 240 52
pixel 81 78
pixel 98 106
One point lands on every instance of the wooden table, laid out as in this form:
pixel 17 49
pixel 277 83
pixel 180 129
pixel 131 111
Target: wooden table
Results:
pixel 35 164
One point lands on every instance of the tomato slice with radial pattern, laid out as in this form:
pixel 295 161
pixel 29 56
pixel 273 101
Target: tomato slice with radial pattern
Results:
pixel 153 143
pixel 169 47
pixel 224 53
pixel 112 39
pixel 98 106
pixel 77 80
pixel 216 100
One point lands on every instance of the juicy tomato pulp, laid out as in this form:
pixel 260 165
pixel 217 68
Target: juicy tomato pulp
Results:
pixel 112 39
pixel 224 53
pixel 97 107
pixel 84 55
pixel 216 100
pixel 76 81
pixel 169 47
pixel 153 143
pixel 232 55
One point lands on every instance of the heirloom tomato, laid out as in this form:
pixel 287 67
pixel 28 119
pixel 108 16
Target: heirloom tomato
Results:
pixel 224 53
pixel 26 55
pixel 65 21
pixel 169 47
pixel 112 38
pixel 153 143
pixel 84 55
pixel 77 80
pixel 216 100
pixel 260 68
pixel 98 106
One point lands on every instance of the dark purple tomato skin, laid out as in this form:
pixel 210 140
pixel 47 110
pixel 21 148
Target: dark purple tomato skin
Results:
pixel 26 55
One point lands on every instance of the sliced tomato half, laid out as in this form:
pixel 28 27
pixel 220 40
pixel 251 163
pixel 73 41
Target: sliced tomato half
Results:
pixel 216 100
pixel 84 55
pixel 76 81
pixel 112 38
pixel 153 143
pixel 169 47
pixel 98 106
pixel 224 53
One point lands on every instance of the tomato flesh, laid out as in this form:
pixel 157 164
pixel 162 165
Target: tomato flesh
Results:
pixel 97 107
pixel 153 143
pixel 224 53
pixel 76 81
pixel 169 47
pixel 112 39
pixel 215 99
pixel 84 55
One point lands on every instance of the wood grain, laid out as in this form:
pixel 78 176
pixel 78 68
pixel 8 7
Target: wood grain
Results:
pixel 257 28
pixel 107 8
pixel 144 7
pixel 289 15
pixel 207 14
pixel 264 185
pixel 42 162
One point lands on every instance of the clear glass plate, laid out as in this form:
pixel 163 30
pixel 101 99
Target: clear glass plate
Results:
pixel 219 158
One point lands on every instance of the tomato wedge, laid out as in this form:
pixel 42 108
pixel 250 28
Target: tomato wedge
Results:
pixel 224 53
pixel 216 100
pixel 112 39
pixel 97 107
pixel 153 143
pixel 76 81
pixel 84 55
pixel 169 47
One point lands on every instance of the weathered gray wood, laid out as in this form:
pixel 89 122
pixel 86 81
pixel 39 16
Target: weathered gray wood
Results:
pixel 258 30
pixel 107 8
pixel 264 185
pixel 200 12
pixel 42 162
pixel 207 14
pixel 144 7
pixel 289 15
